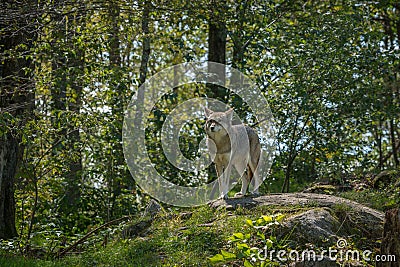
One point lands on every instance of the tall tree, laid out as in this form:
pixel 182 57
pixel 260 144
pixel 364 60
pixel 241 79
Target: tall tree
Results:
pixel 117 177
pixel 77 59
pixel 66 94
pixel 217 34
pixel 391 22
pixel 16 102
pixel 145 57
pixel 146 9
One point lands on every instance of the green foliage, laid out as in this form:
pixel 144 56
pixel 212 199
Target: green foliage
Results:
pixel 251 247
pixel 329 70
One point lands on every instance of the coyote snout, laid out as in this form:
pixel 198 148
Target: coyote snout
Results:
pixel 214 126
pixel 233 145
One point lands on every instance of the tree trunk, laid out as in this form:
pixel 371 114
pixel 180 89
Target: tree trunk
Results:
pixel 140 96
pixel 378 139
pixel 75 105
pixel 217 40
pixel 391 238
pixel 393 142
pixel 292 153
pixel 117 103
pixel 143 66
pixel 392 30
pixel 66 95
pixel 16 103
pixel 146 43
pixel 9 147
pixel 238 38
pixel 286 182
pixel 216 50
pixel 74 176
pixel 143 63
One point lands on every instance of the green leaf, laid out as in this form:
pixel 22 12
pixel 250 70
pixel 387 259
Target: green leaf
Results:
pixel 238 236
pixel 228 255
pixel 260 221
pixel 249 222
pixel 269 243
pixel 247 264
pixel 267 219
pixel 217 258
pixel 261 235
pixel 279 217
pixel 242 246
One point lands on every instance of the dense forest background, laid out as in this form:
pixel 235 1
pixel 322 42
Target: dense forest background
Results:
pixel 330 71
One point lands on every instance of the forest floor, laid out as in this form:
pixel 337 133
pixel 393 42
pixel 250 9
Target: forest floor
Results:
pixel 224 231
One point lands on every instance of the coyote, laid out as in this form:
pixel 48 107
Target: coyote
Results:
pixel 232 145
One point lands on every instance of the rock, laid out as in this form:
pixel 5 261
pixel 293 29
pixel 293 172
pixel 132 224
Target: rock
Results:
pixel 356 216
pixel 312 226
pixel 152 209
pixel 321 188
pixel 318 227
pixel 326 222
pixel 373 219
pixel 136 229
pixel 141 227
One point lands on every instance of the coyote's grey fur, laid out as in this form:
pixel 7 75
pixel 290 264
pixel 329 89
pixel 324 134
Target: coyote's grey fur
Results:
pixel 233 145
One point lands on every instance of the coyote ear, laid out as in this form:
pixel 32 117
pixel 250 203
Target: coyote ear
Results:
pixel 229 113
pixel 208 112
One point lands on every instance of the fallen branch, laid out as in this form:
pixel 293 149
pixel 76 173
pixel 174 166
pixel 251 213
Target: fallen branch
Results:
pixel 81 240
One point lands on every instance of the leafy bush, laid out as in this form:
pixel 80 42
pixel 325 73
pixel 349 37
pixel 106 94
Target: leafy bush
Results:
pixel 250 247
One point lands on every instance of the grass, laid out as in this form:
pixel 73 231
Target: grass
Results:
pixel 179 237
pixel 377 199
pixel 172 240
pixel 17 261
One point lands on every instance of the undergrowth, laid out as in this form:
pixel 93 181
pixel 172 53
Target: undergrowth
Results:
pixel 179 237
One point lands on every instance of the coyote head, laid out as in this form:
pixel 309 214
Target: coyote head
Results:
pixel 218 122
